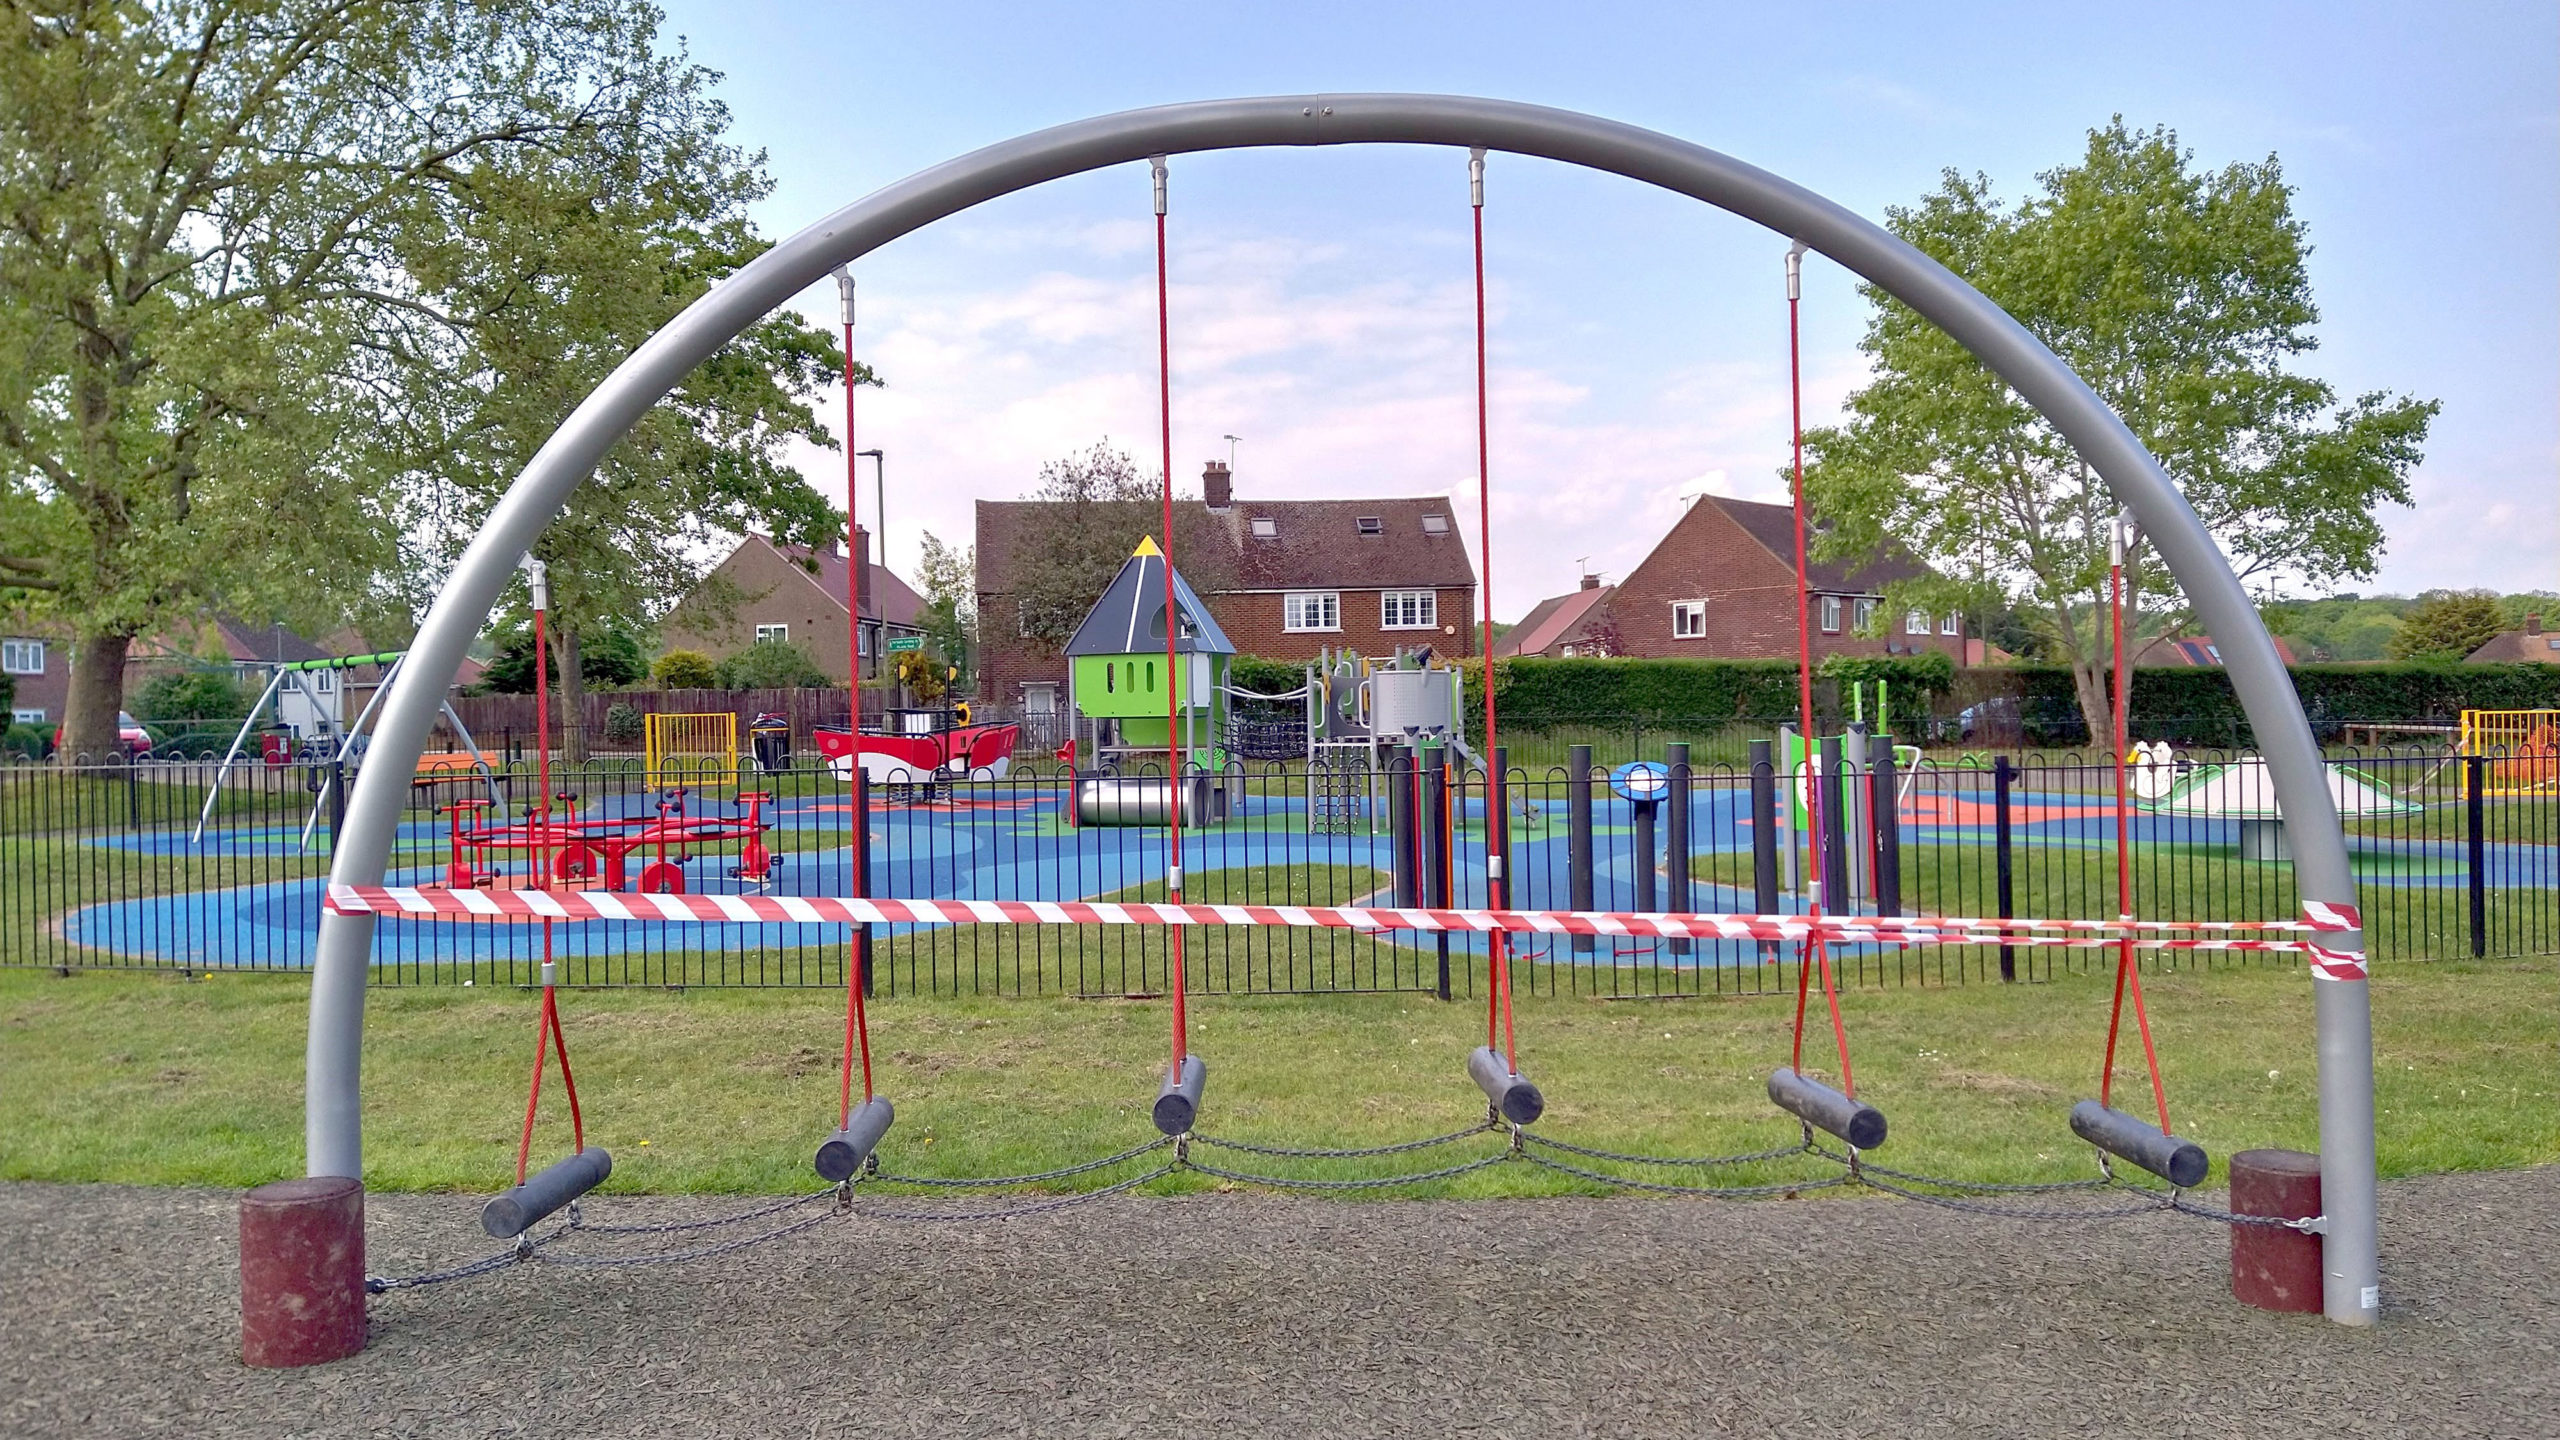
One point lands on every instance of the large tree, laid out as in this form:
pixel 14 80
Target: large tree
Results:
pixel 2181 296
pixel 1100 505
pixel 278 299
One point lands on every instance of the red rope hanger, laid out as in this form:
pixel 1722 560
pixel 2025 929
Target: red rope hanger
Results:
pixel 1498 1028
pixel 857 1022
pixel 2128 974
pixel 1173 749
pixel 546 1029
pixel 1814 951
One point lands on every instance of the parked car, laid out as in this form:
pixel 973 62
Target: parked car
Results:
pixel 131 738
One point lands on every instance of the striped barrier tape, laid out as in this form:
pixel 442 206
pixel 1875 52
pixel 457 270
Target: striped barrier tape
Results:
pixel 413 902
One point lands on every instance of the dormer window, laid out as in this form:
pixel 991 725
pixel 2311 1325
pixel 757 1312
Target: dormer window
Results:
pixel 1435 524
pixel 1372 525
pixel 1265 528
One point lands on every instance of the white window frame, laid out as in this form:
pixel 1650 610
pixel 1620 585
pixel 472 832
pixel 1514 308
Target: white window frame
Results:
pixel 1863 613
pixel 1915 622
pixel 1830 614
pixel 1422 605
pixel 27 715
pixel 324 682
pixel 1435 524
pixel 1264 527
pixel 22 657
pixel 1952 625
pixel 1688 619
pixel 1324 606
pixel 781 632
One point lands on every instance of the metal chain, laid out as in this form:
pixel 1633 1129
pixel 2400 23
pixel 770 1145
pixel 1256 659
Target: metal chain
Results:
pixel 578 1222
pixel 998 1181
pixel 1778 1153
pixel 1284 1182
pixel 702 1252
pixel 1712 1192
pixel 1287 1152
pixel 525 1248
pixel 1018 1211
pixel 2005 1212
pixel 2185 1206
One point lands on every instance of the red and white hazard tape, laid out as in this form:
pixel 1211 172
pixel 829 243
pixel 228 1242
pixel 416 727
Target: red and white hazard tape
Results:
pixel 400 901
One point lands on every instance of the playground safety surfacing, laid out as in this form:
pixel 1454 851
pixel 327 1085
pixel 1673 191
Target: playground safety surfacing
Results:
pixel 1245 1314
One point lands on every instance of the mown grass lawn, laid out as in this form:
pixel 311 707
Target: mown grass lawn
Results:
pixel 152 1079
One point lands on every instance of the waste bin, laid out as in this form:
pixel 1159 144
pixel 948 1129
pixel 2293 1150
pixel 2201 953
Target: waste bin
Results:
pixel 772 736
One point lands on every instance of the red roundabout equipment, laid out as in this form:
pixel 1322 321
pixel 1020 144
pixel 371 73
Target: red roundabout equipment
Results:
pixel 584 849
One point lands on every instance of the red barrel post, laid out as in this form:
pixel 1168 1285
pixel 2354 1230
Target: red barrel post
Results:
pixel 2273 1267
pixel 302 1272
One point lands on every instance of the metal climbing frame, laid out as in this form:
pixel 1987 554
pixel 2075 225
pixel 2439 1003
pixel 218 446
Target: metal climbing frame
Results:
pixel 2342 1006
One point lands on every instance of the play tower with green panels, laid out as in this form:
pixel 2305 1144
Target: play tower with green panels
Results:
pixel 1118 677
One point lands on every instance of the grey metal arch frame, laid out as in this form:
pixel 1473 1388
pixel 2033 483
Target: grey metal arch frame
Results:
pixel 333 1130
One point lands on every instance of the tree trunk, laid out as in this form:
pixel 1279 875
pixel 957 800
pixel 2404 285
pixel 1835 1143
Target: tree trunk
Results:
pixel 573 694
pixel 97 697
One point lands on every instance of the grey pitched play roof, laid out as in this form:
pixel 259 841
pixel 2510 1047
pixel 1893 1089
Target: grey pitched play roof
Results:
pixel 1129 618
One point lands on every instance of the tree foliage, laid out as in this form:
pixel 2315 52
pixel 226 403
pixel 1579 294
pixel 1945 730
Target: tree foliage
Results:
pixel 611 659
pixel 2447 625
pixel 684 670
pixel 771 665
pixel 1101 506
pixel 950 617
pixel 2181 296
pixel 295 285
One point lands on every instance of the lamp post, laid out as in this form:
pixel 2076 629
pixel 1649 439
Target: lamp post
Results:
pixel 880 482
pixel 1231 450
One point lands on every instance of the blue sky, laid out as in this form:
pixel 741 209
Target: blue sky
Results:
pixel 1320 298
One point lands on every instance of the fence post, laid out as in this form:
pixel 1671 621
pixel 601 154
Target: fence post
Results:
pixel 2002 773
pixel 1676 836
pixel 1497 843
pixel 1838 890
pixel 1764 839
pixel 861 847
pixel 1577 809
pixel 1435 839
pixel 2475 776
pixel 1405 880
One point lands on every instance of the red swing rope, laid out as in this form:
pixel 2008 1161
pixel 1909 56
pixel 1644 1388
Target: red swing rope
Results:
pixel 2128 974
pixel 1498 1027
pixel 1815 954
pixel 857 1022
pixel 546 1027
pixel 1172 632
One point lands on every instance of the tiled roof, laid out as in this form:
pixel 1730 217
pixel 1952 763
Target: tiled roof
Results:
pixel 1555 618
pixel 1315 544
pixel 892 599
pixel 1323 545
pixel 1774 526
pixel 2511 646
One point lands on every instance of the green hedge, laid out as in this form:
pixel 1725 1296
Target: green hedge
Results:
pixel 2199 706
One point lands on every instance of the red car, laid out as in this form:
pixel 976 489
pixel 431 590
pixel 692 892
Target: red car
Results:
pixel 131 738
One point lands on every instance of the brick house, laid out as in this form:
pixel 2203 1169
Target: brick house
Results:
pixel 38 659
pixel 789 593
pixel 2513 647
pixel 1369 575
pixel 1721 585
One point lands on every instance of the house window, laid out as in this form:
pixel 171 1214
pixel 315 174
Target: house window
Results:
pixel 1022 618
pixel 1916 623
pixel 1372 525
pixel 1265 528
pixel 773 632
pixel 1311 610
pixel 1866 613
pixel 1435 524
pixel 324 682
pixel 1830 614
pixel 1408 609
pixel 1952 625
pixel 22 657
pixel 27 716
pixel 1688 619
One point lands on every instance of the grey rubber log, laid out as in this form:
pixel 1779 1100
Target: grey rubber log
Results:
pixel 2180 1162
pixel 522 1208
pixel 1826 1109
pixel 840 1155
pixel 1178 1102
pixel 1513 1097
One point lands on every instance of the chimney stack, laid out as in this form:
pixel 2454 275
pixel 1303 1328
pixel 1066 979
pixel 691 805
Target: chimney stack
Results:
pixel 1217 487
pixel 861 563
pixel 1590 581
pixel 2533 624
